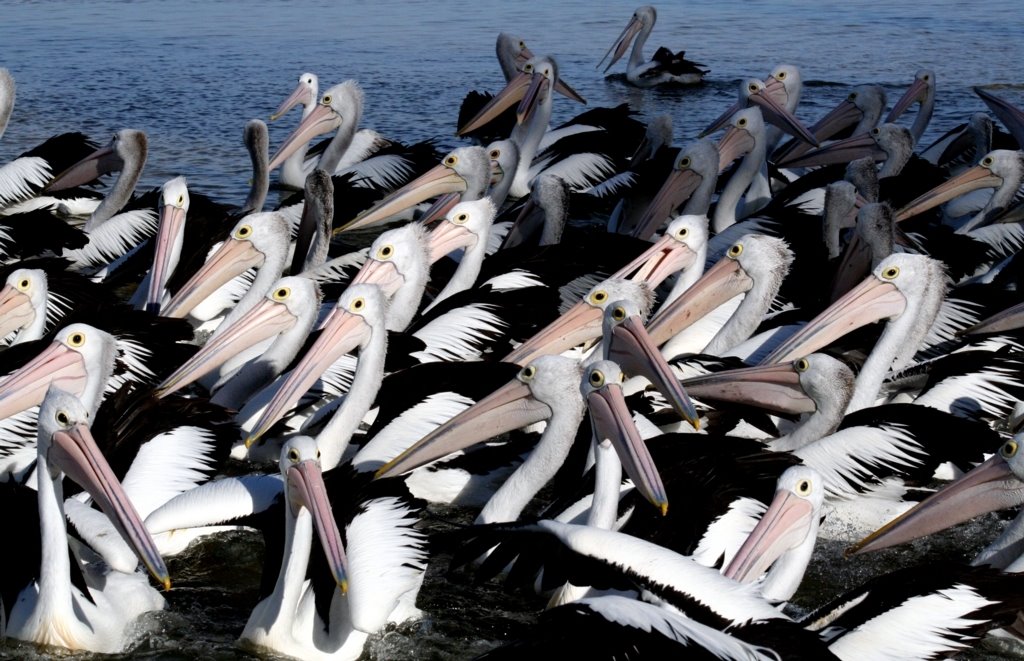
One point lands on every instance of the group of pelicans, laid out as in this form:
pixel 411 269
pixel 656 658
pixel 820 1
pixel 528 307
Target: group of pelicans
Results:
pixel 768 333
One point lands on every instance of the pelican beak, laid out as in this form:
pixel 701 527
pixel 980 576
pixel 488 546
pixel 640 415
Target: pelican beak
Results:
pixel 736 143
pixel 784 526
pixel 631 347
pixel 1011 318
pixel 563 88
pixel 534 93
pixel 172 223
pixel 1011 116
pixel 843 115
pixel 840 151
pixel 266 319
pixel 718 284
pixel 779 116
pixel 722 120
pixel 74 451
pixel 384 274
pixel 621 44
pixel 322 119
pixel 439 180
pixel 529 222
pixel 665 257
pixel 440 208
pixel 102 161
pixel 677 189
pixel 612 421
pixel 16 310
pixel 775 388
pixel 306 489
pixel 296 97
pixel 232 258
pixel 974 178
pixel 342 332
pixel 855 263
pixel 27 386
pixel 988 487
pixel 514 91
pixel 507 408
pixel 870 301
pixel 448 237
pixel 580 323
pixel 916 92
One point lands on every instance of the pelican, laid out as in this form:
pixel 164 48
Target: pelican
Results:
pixel 921 91
pixel 862 109
pixel 52 611
pixel 665 67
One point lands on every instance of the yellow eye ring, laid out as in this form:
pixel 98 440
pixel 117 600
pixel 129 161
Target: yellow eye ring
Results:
pixel 596 378
pixel 451 160
pixel 875 131
pixel 684 162
pixel 326 100
pixel 852 96
pixel 752 87
pixel 803 488
pixel 522 45
pixel 986 162
pixel 780 75
pixel 357 305
pixel 243 232
pixel 802 365
pixel 891 273
pixel 293 456
pixel 527 373
pixel 62 418
pixel 461 218
pixel 281 293
pixel 495 153
pixel 599 297
pixel 76 340
pixel 741 122
pixel 1009 449
pixel 683 233
pixel 23 284
pixel 735 251
pixel 386 252
pixel 619 313
pixel 528 68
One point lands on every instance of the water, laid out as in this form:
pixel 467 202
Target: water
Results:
pixel 191 73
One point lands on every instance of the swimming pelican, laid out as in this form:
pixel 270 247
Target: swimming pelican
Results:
pixel 665 67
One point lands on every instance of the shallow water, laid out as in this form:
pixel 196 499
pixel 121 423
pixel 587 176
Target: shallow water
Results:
pixel 191 73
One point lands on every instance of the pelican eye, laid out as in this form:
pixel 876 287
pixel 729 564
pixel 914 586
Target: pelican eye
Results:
pixel 683 233
pixel 1009 449
pixel 495 154
pixel 357 305
pixel 891 273
pixel 76 339
pixel 522 45
pixel 735 251
pixel 282 293
pixel 752 87
pixel 181 200
pixel 619 313
pixel 742 122
pixel 876 131
pixel 596 378
pixel 986 162
pixel 326 100
pixel 23 284
pixel 461 218
pixel 451 160
pixel 926 78
pixel 243 232
pixel 527 373
pixel 802 365
pixel 780 75
pixel 64 420
pixel 803 488
pixel 386 252
pixel 318 454
pixel 598 297
pixel 293 455
pixel 852 97
pixel 528 68
pixel 684 162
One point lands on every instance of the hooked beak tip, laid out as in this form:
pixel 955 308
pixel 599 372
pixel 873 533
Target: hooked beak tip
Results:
pixel 664 508
pixel 166 583
pixel 250 441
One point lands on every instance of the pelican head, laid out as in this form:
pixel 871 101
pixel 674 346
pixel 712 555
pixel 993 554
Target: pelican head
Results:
pixel 513 54
pixel 879 143
pixel 23 300
pixel 66 446
pixel 919 91
pixel 642 20
pixel 771 98
pixel 340 105
pixel 174 201
pixel 304 94
pixel 531 87
pixel 991 171
pixel 696 164
pixel 466 226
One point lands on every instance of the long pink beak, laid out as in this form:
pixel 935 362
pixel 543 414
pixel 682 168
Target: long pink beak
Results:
pixel 172 224
pixel 514 92
pixel 784 526
pixel 232 258
pixel 16 310
pixel 322 119
pixel 439 180
pixel 775 388
pixel 57 365
pixel 306 489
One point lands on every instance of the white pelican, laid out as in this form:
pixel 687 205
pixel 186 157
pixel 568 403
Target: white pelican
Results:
pixel 664 67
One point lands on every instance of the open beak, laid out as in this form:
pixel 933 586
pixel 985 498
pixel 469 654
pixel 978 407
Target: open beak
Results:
pixel 974 178
pixel 784 526
pixel 507 408
pixel 1011 318
pixel 322 119
pixel 840 151
pixel 842 116
pixel 988 487
pixel 916 92
pixel 306 489
pixel 1011 116
pixel 448 237
pixel 718 284
pixel 16 310
pixel 296 97
pixel 75 452
pixel 266 319
pixel 631 347
pixel 439 180
pixel 779 116
pixel 102 161
pixel 611 420
pixel 232 258
pixel 514 92
pixel 618 49
pixel 172 223
pixel 342 332
pixel 26 387
pixel 870 301
pixel 775 388
pixel 580 323
pixel 677 189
